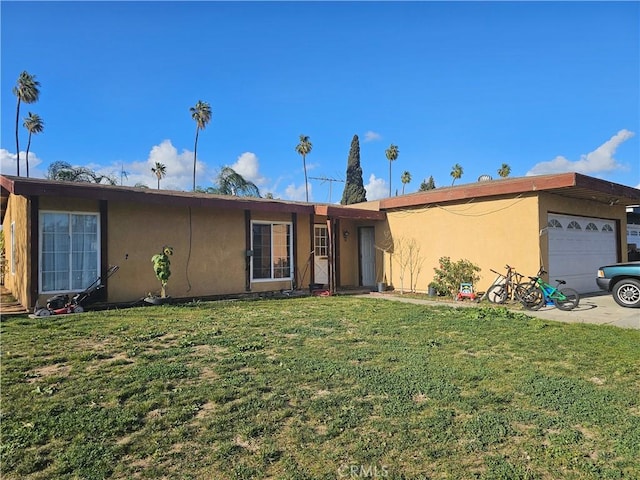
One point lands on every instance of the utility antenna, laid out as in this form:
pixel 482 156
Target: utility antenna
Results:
pixel 327 179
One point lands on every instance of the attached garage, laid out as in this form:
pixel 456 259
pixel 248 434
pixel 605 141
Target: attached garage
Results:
pixel 577 247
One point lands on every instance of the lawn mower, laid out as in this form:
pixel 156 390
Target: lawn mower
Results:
pixel 62 304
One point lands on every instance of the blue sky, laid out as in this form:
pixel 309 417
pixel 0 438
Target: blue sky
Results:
pixel 542 86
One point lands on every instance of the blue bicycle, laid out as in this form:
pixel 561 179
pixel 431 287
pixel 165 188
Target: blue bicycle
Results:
pixel 541 293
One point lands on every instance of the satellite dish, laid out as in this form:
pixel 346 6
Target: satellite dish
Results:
pixel 485 178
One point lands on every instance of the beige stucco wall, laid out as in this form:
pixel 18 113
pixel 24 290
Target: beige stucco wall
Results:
pixel 209 250
pixel 490 233
pixel 16 282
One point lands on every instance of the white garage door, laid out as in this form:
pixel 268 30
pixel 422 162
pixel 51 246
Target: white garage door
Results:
pixel 577 247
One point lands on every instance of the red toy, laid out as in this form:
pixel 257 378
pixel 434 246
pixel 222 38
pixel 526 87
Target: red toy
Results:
pixel 466 291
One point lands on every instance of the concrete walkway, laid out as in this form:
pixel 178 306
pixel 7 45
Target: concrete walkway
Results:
pixel 595 308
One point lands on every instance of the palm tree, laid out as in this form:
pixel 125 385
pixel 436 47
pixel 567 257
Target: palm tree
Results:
pixel 392 155
pixel 405 178
pixel 34 124
pixel 65 172
pixel 504 170
pixel 456 172
pixel 27 91
pixel 231 182
pixel 201 113
pixel 160 169
pixel 304 148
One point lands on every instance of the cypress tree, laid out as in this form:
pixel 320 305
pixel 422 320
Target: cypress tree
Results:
pixel 427 185
pixel 354 191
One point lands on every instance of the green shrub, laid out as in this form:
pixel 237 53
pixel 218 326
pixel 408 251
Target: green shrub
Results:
pixel 450 275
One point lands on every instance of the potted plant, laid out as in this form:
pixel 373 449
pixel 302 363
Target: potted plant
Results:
pixel 162 269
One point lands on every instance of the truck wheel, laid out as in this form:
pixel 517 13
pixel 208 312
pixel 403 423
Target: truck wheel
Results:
pixel 626 293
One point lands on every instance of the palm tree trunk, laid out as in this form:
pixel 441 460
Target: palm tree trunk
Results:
pixel 389 177
pixel 158 183
pixel 195 149
pixel 306 185
pixel 17 140
pixel 27 153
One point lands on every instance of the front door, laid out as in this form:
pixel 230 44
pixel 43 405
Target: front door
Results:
pixel 321 254
pixel 367 256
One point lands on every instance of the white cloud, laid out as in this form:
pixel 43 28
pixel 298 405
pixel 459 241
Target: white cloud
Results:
pixel 371 136
pixel 8 164
pixel 376 188
pixel 179 169
pixel 248 166
pixel 600 160
pixel 297 193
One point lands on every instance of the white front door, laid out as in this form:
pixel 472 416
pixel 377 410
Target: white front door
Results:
pixel 577 247
pixel 321 254
pixel 367 256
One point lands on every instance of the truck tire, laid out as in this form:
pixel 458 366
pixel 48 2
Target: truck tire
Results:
pixel 626 293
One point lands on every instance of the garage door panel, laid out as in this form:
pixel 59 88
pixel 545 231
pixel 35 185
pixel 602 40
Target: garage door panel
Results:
pixel 577 247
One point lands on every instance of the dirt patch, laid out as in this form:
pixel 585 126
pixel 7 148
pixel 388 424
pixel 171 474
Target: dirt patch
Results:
pixel 205 409
pixel 60 370
pixel 246 444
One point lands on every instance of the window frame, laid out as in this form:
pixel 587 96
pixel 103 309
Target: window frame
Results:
pixel 290 257
pixel 70 214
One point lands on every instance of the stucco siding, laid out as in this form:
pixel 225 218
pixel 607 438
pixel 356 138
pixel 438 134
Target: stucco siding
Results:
pixel 489 233
pixel 208 250
pixel 16 281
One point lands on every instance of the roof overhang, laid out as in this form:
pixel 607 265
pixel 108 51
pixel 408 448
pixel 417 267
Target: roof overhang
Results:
pixel 336 211
pixel 37 187
pixel 573 185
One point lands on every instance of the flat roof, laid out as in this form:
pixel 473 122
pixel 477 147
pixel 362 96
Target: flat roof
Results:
pixel 573 185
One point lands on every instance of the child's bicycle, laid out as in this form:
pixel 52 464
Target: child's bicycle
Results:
pixel 541 293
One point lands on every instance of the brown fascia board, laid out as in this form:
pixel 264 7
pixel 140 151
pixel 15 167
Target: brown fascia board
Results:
pixel 564 182
pixel 334 211
pixel 615 190
pixel 37 187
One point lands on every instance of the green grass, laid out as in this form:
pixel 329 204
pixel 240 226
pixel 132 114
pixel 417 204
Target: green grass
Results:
pixel 317 388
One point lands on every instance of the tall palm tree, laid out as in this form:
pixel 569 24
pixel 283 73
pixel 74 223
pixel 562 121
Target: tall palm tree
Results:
pixel 27 91
pixel 456 172
pixel 160 169
pixel 392 155
pixel 405 178
pixel 34 124
pixel 304 148
pixel 504 170
pixel 201 113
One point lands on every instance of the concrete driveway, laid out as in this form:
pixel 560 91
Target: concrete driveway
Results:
pixel 596 308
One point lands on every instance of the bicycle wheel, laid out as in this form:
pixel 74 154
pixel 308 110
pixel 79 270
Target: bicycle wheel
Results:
pixel 568 299
pixel 497 294
pixel 520 291
pixel 532 298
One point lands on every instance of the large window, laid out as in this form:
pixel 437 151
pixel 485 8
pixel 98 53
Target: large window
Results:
pixel 271 244
pixel 69 251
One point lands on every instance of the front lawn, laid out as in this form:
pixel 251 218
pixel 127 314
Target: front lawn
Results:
pixel 317 388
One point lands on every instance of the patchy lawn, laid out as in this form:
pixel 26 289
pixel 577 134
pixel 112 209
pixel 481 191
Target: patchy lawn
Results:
pixel 317 388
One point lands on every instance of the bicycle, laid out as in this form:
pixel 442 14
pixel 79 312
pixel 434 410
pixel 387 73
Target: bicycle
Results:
pixel 507 287
pixel 542 293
